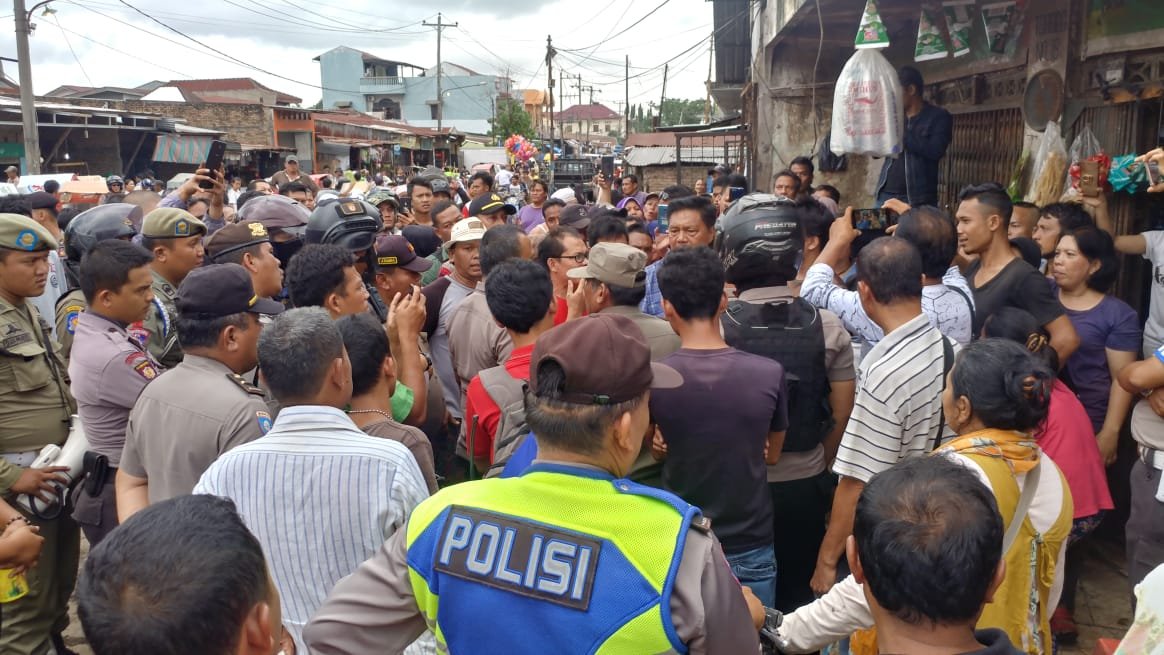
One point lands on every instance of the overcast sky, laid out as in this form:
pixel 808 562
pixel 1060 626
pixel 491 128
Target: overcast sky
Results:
pixel 118 46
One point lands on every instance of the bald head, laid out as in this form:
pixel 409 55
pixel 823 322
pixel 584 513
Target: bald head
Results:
pixel 892 269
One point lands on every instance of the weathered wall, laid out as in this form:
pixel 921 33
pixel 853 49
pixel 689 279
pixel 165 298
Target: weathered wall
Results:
pixel 657 178
pixel 241 123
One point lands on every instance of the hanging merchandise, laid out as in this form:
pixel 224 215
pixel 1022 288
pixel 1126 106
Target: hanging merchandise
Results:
pixel 930 44
pixel 1127 175
pixel 1047 177
pixel 868 112
pixel 998 17
pixel 1088 173
pixel 872 33
pixel 958 22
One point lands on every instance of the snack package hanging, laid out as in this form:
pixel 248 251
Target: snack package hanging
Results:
pixel 1089 164
pixel 997 17
pixel 1050 166
pixel 1126 175
pixel 868 116
pixel 930 44
pixel 872 33
pixel 959 22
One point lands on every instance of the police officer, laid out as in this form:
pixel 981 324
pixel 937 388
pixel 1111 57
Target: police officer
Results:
pixel 35 406
pixel 174 237
pixel 571 556
pixel 285 221
pixel 174 435
pixel 248 244
pixel 113 221
pixel 353 224
pixel 109 368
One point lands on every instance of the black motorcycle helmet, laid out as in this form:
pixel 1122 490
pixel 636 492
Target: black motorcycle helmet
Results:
pixel 347 222
pixel 111 221
pixel 759 238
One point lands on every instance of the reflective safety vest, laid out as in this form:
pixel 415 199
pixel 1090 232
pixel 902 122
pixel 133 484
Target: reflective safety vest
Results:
pixel 562 559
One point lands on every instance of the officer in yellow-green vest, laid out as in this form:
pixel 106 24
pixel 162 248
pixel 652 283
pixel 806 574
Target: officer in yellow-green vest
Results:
pixel 570 557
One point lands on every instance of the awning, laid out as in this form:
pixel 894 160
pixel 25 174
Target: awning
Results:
pixel 185 149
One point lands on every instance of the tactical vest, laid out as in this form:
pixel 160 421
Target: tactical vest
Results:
pixel 560 560
pixel 792 333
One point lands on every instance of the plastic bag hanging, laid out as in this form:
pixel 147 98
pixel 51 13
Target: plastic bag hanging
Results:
pixel 868 107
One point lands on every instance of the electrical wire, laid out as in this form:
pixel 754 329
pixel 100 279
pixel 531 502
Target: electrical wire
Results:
pixel 624 30
pixel 122 52
pixel 71 51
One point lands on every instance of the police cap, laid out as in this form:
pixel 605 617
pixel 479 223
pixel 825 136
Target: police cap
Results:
pixel 171 223
pixel 22 233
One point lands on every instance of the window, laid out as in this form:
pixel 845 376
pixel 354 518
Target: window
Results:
pixel 432 110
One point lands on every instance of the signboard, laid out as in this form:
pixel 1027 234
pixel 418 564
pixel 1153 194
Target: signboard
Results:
pixel 1117 25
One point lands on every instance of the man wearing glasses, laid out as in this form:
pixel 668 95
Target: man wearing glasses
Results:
pixel 563 250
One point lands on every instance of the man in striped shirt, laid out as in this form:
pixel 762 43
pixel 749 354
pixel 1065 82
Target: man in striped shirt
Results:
pixel 321 495
pixel 898 411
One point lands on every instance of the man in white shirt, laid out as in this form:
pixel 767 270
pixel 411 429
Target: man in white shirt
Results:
pixel 320 495
pixel 946 298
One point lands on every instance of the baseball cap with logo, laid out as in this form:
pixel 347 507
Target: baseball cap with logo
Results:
pixel 465 230
pixel 605 360
pixel 575 216
pixel 291 159
pixel 22 233
pixel 616 264
pixel 487 203
pixel 171 223
pixel 218 290
pixel 236 237
pixel 395 250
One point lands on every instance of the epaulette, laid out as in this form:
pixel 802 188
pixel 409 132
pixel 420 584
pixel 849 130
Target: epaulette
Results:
pixel 701 523
pixel 244 385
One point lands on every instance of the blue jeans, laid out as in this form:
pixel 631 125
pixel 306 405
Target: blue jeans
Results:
pixel 756 569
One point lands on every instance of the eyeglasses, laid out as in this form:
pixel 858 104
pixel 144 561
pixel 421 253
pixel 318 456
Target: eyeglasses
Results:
pixel 579 258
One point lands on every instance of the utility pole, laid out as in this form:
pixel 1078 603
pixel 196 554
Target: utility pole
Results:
pixel 562 104
pixel 579 87
pixel 27 99
pixel 626 98
pixel 663 96
pixel 439 25
pixel 550 90
pixel 590 121
pixel 707 99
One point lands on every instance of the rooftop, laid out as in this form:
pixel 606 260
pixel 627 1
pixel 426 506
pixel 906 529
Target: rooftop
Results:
pixel 590 112
pixel 198 90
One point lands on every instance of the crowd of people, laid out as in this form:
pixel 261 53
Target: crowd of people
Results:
pixel 298 418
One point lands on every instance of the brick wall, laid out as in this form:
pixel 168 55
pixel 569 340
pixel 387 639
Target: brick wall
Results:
pixel 657 178
pixel 242 123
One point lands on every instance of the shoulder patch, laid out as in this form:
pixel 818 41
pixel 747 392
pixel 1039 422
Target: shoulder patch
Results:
pixel 264 420
pixel 142 365
pixel 245 386
pixel 72 315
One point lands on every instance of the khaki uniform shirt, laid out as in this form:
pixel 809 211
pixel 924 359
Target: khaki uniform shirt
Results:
pixel 374 610
pixel 109 368
pixel 35 403
pixel 281 180
pixel 69 309
pixel 476 341
pixel 159 329
pixel 660 336
pixel 414 440
pixel 180 424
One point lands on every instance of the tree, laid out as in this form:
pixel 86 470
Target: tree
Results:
pixel 511 118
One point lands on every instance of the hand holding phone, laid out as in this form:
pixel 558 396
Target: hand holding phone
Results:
pixel 873 220
pixel 213 163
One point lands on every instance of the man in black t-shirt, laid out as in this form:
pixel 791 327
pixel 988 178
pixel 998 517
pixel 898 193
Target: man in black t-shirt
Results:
pixel 999 278
pixel 723 424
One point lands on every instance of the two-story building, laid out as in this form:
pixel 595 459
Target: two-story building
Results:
pixel 586 122
pixel 395 90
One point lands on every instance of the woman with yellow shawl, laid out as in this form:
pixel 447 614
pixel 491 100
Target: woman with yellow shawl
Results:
pixel 996 396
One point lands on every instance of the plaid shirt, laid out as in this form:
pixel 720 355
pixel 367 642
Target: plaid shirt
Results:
pixel 652 303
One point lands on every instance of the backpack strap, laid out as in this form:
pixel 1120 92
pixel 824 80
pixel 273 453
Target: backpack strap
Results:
pixel 947 364
pixel 969 302
pixel 1030 487
pixel 509 394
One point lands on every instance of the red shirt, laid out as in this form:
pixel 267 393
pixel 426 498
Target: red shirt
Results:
pixel 562 311
pixel 479 404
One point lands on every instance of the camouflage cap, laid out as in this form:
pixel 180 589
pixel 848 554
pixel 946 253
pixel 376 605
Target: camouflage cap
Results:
pixel 171 223
pixel 22 233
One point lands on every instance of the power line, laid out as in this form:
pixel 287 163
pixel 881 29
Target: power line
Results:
pixel 624 30
pixel 122 52
pixel 71 51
